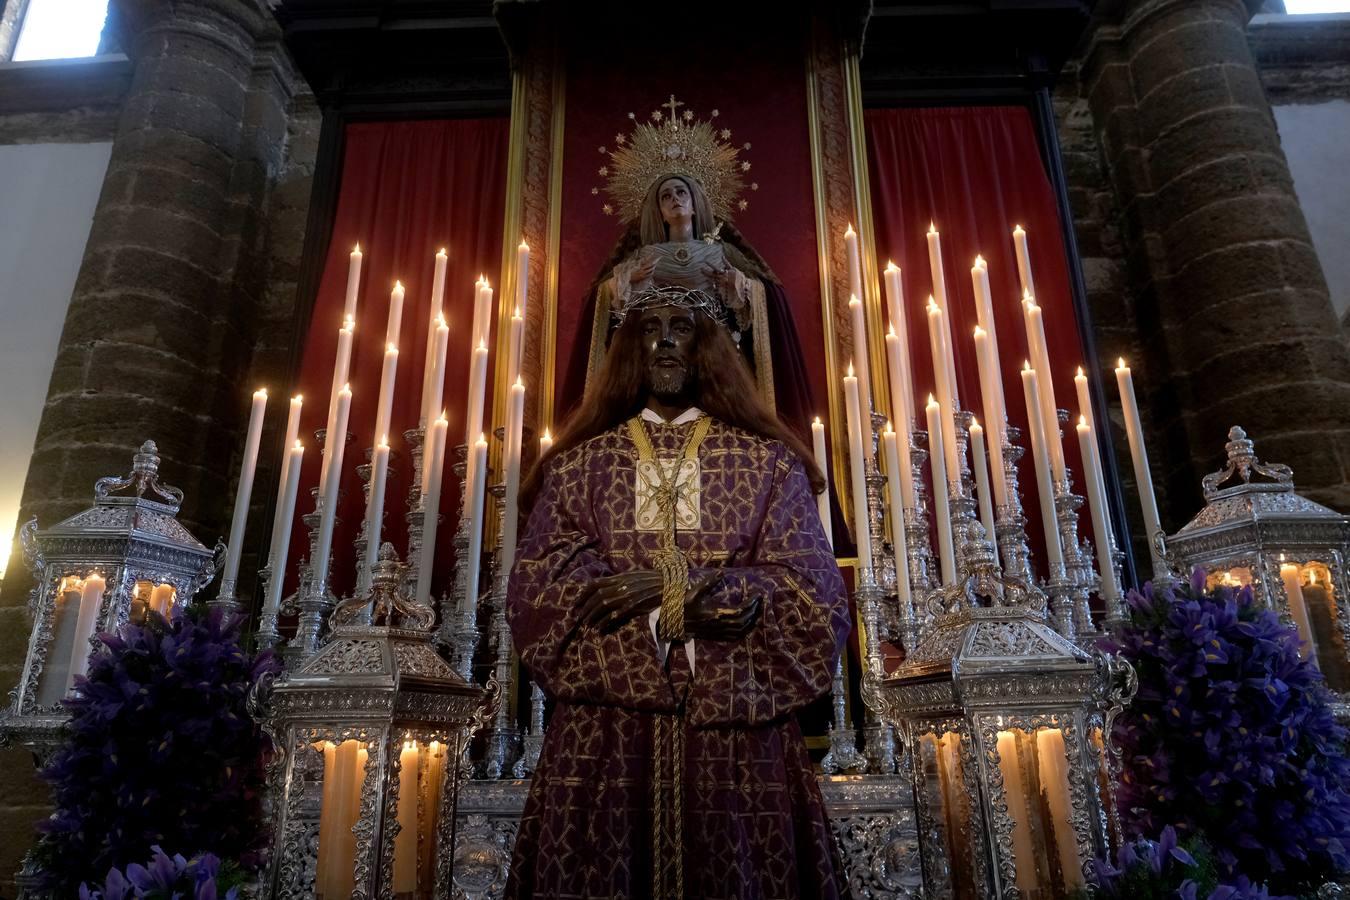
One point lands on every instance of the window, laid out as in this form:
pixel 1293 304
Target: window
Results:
pixel 1298 7
pixel 60 29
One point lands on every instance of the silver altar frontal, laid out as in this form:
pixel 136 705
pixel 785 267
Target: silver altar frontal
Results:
pixel 1256 530
pixel 369 736
pixel 1005 723
pixel 96 570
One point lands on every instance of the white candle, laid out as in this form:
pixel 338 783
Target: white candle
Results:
pixel 292 435
pixel 341 375
pixel 477 389
pixel 405 842
pixel 428 409
pixel 855 309
pixel 388 375
pixel 515 424
pixel 477 486
pixel 855 286
pixel 890 446
pixel 945 396
pixel 515 345
pixel 482 311
pixel 991 393
pixel 1023 260
pixel 1018 794
pixel 895 298
pixel 379 474
pixel 244 492
pixel 522 277
pixel 823 498
pixel 431 503
pixel 161 599
pixel 902 398
pixel 1298 609
pixel 862 523
pixel 431 398
pixel 1143 478
pixel 941 500
pixel 1040 361
pixel 328 508
pixel 546 442
pixel 86 623
pixel 281 528
pixel 940 297
pixel 1054 772
pixel 1101 524
pixel 982 480
pixel 984 298
pixel 395 323
pixel 353 284
pixel 1044 487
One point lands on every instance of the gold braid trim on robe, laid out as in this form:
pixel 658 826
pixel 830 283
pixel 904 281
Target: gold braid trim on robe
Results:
pixel 668 743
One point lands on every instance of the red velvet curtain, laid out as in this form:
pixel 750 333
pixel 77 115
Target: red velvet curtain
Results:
pixel 407 190
pixel 975 172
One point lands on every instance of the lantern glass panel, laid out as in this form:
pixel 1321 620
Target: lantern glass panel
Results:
pixel 1236 577
pixel 1311 594
pixel 344 771
pixel 56 680
pixel 939 762
pixel 422 774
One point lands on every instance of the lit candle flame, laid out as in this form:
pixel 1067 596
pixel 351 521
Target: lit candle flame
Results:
pixel 1026 365
pixel 523 245
pixel 1120 362
pixel 441 252
pixel 299 446
pixel 818 422
pixel 932 229
pixel 440 321
pixel 548 435
pixel 850 369
pixel 891 266
pixel 849 230
pixel 931 401
pixel 1082 420
pixel 889 429
pixel 979 260
pixel 390 348
pixel 975 423
pixel 979 332
pixel 358 247
pixel 398 285
pixel 1080 372
pixel 890 330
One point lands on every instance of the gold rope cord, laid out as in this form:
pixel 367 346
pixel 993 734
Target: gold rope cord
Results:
pixel 668 731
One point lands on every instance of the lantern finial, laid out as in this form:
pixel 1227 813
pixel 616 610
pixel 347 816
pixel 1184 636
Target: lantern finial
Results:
pixel 387 599
pixel 144 477
pixel 1242 462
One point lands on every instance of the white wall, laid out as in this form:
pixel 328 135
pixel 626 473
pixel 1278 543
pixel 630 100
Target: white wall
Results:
pixel 49 192
pixel 1316 139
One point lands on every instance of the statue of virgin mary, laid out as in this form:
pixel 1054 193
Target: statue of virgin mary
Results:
pixel 675 182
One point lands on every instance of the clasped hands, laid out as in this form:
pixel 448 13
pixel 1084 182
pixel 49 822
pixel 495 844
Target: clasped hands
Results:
pixel 612 601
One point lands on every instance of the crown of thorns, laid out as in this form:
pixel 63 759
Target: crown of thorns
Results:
pixel 691 299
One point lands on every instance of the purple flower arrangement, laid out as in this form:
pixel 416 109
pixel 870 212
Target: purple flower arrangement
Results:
pixel 160 751
pixel 1166 870
pixel 166 878
pixel 1231 739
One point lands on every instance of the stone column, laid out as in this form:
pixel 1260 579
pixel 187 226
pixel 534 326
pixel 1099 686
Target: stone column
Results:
pixel 1234 319
pixel 159 340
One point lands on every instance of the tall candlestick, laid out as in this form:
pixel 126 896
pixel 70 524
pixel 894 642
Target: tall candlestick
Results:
pixel 431 398
pixel 405 842
pixel 1143 478
pixel 341 375
pixel 855 285
pixel 522 277
pixel 855 309
pixel 86 623
pixel 895 498
pixel 862 520
pixel 281 528
pixel 244 492
pixel 388 375
pixel 379 474
pixel 823 498
pixel 1040 361
pixel 328 509
pixel 902 399
pixel 477 487
pixel 982 479
pixel 436 318
pixel 353 284
pixel 995 413
pixel 545 443
pixel 515 345
pixel 1023 261
pixel 895 298
pixel 477 389
pixel 943 303
pixel 941 499
pixel 515 424
pixel 482 311
pixel 435 454
pixel 1044 486
pixel 946 397
pixel 984 298
pixel 1101 523
pixel 395 323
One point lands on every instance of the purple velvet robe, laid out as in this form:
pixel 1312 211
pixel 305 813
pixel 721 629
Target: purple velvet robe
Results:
pixel 754 823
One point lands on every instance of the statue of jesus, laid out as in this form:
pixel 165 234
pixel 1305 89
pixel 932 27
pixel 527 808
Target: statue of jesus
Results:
pixel 675 595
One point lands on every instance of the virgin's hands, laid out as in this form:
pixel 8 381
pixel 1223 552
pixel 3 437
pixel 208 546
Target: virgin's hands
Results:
pixel 613 600
pixel 727 279
pixel 646 265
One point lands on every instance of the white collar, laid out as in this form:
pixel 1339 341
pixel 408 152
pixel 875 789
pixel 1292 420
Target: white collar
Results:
pixel 689 415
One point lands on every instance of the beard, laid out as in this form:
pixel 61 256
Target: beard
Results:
pixel 667 381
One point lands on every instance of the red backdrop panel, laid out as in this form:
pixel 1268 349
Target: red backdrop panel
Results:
pixel 975 172
pixel 407 189
pixel 765 104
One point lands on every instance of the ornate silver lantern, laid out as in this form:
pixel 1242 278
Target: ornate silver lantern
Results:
pixel 1005 723
pixel 1256 530
pixel 94 571
pixel 370 733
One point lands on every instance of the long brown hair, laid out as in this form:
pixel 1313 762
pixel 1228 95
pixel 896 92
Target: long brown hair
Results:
pixel 723 387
